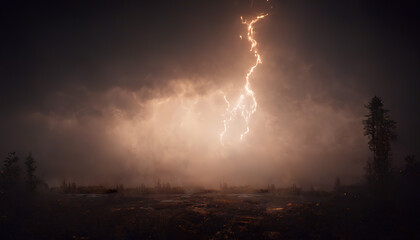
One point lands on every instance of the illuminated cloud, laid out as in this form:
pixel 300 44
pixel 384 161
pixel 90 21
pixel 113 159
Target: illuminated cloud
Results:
pixel 135 93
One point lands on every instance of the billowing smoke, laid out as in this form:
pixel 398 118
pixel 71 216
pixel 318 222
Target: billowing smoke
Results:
pixel 171 132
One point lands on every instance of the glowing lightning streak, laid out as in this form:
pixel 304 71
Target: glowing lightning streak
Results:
pixel 244 111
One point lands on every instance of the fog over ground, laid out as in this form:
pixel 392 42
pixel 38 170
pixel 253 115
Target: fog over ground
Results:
pixel 102 93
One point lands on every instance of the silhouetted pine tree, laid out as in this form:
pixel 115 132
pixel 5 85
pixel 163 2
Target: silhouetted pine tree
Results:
pixel 30 172
pixel 379 128
pixel 10 171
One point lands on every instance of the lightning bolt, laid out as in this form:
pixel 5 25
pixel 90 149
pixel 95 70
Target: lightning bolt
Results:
pixel 241 108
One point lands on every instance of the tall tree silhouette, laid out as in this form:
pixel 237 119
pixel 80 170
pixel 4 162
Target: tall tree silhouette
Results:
pixel 10 170
pixel 379 128
pixel 337 184
pixel 30 172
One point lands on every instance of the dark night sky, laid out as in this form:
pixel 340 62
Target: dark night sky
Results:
pixel 66 66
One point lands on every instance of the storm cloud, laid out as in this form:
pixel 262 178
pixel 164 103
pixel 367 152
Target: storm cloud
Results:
pixel 106 93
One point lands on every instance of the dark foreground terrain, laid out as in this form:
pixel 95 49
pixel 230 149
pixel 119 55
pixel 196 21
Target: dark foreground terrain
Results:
pixel 201 216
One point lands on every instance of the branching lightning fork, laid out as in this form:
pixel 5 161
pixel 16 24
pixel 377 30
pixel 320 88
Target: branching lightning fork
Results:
pixel 241 108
